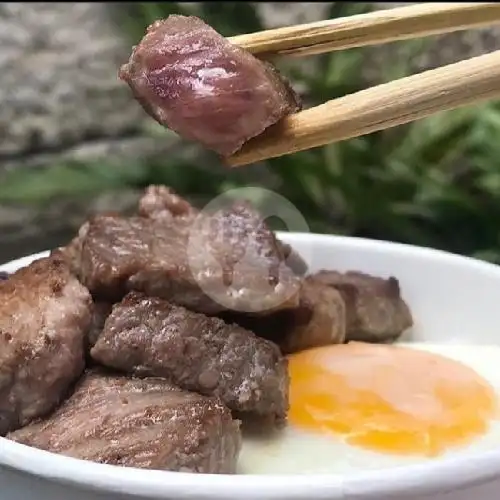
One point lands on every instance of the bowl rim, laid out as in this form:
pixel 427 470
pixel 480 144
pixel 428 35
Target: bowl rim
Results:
pixel 440 475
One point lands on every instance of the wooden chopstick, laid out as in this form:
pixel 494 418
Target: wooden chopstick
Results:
pixel 388 105
pixel 401 23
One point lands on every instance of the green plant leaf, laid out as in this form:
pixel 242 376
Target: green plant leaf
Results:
pixel 42 185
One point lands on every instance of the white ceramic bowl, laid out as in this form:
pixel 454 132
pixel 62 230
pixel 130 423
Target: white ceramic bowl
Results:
pixel 453 299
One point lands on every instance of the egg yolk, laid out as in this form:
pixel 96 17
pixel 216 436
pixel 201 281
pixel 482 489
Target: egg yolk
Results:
pixel 389 399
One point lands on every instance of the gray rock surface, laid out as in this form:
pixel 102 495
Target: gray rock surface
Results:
pixel 58 83
pixel 61 100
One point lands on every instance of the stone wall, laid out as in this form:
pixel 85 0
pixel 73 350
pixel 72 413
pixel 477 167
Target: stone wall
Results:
pixel 61 100
pixel 58 86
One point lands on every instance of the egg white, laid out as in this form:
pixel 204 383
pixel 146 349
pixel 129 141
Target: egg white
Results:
pixel 295 451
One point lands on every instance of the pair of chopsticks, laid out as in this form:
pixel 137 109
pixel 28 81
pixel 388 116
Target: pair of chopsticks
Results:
pixel 383 106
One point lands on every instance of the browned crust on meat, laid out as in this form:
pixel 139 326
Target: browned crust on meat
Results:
pixel 164 204
pixel 375 309
pixel 145 423
pixel 44 315
pixel 150 336
pixel 135 253
pixel 320 320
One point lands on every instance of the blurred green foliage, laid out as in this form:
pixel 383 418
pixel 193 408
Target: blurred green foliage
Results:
pixel 435 182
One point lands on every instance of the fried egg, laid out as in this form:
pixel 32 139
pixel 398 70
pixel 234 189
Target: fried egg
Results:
pixel 363 406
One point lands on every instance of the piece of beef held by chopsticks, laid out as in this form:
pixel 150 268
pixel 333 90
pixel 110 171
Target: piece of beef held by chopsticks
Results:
pixel 191 79
pixel 152 337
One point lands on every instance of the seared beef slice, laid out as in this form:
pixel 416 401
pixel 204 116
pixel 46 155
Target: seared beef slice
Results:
pixel 147 423
pixel 194 81
pixel 44 317
pixel 230 261
pixel 150 336
pixel 375 310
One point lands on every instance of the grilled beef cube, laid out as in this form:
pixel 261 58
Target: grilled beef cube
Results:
pixel 375 310
pixel 319 320
pixel 145 423
pixel 228 260
pixel 151 337
pixel 44 317
pixel 116 249
pixel 164 204
pixel 191 79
